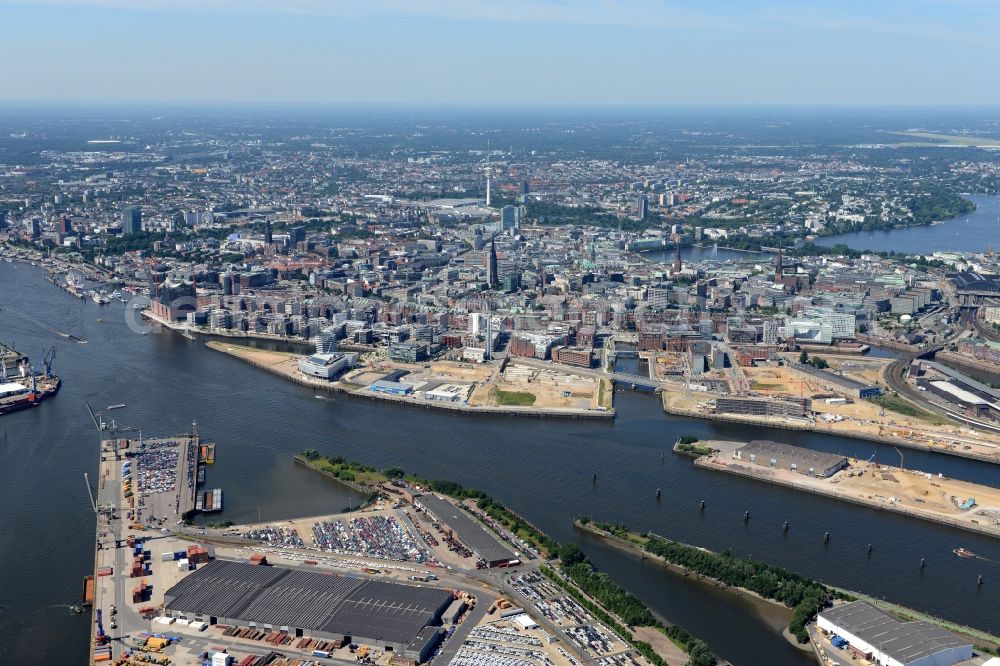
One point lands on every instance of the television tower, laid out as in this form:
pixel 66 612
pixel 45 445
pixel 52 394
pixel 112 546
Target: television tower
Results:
pixel 488 173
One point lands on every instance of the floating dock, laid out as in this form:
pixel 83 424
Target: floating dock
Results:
pixel 209 501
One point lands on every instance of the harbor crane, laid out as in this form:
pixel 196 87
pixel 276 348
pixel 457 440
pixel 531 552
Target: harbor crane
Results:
pixel 47 359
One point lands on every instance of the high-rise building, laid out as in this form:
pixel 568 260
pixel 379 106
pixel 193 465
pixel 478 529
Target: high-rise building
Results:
pixel 268 232
pixel 525 186
pixel 65 226
pixel 34 227
pixel 778 268
pixel 770 332
pixel 296 235
pixel 488 199
pixel 509 217
pixel 132 220
pixel 491 267
pixel 643 208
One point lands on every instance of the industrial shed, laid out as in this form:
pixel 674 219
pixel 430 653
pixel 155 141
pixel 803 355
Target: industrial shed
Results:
pixel 307 603
pixel 785 456
pixel 885 640
pixel 483 544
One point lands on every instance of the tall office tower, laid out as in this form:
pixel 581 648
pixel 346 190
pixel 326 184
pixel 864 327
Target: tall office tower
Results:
pixel 525 186
pixel 268 232
pixel 509 217
pixel 488 199
pixel 132 220
pixel 494 279
pixel 643 207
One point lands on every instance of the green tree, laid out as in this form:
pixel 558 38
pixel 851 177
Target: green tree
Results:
pixel 571 554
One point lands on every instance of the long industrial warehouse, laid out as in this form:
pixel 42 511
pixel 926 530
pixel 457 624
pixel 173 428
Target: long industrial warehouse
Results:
pixel 307 603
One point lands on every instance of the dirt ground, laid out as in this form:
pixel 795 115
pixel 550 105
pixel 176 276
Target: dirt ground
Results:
pixel 551 387
pixel 467 371
pixel 663 645
pixel 940 495
pixel 911 491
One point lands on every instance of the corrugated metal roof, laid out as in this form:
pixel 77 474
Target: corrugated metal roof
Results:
pixel 312 600
pixel 904 641
pixel 468 530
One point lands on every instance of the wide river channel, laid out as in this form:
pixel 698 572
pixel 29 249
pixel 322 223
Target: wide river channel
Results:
pixel 542 468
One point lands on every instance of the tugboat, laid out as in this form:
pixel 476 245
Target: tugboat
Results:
pixel 962 552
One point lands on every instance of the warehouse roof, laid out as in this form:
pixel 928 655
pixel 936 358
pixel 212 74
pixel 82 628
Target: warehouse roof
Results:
pixel 387 611
pixel 284 597
pixel 785 455
pixel 904 641
pixel 469 531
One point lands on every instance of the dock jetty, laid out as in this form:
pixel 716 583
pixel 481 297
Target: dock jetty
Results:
pixel 146 487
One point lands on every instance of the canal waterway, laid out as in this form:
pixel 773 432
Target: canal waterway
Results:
pixel 543 468
pixel 974 232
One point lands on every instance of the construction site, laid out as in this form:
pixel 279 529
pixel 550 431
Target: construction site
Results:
pixel 919 494
pixel 492 388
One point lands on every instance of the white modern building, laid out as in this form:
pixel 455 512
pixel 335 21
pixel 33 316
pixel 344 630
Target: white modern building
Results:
pixel 882 639
pixel 325 366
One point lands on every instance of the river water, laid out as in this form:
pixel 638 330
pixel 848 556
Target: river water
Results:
pixel 542 468
pixel 975 232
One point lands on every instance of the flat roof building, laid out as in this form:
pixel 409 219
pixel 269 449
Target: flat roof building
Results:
pixel 307 603
pixel 785 456
pixel 885 640
pixel 472 534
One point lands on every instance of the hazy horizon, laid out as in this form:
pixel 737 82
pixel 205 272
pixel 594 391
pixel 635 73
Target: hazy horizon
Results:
pixel 647 53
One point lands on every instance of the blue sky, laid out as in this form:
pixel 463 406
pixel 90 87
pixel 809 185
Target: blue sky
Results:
pixel 847 52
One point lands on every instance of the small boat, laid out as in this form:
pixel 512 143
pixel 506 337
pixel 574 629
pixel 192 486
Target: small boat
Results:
pixel 115 406
pixel 962 552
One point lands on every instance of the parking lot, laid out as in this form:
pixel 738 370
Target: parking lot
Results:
pixel 162 475
pixel 564 613
pixel 506 643
pixel 281 537
pixel 377 536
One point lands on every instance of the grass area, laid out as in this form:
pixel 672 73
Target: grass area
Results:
pixel 900 406
pixel 516 398
pixel 934 138
pixel 768 386
pixel 692 449
pixel 344 470
pixel 604 393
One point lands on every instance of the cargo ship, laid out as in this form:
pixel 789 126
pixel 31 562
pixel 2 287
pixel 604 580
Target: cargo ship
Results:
pixel 15 396
pixel 26 392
